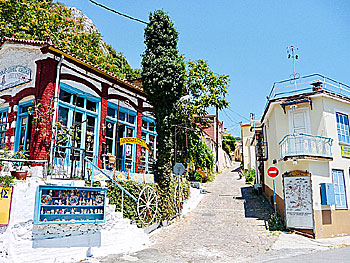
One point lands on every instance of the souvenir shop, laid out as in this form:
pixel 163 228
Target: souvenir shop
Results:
pixel 96 108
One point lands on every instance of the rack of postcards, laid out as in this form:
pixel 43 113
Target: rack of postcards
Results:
pixel 69 205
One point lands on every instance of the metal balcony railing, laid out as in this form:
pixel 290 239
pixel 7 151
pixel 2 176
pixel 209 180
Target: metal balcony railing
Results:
pixel 306 84
pixel 301 144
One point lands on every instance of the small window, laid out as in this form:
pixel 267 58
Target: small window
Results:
pixel 78 101
pixel 65 96
pixel 63 115
pixel 131 119
pixel 129 132
pixel 3 124
pixel 339 188
pixel 121 116
pixel 144 124
pixel 111 112
pixel 90 105
pixel 152 126
pixel 25 109
pixel 343 127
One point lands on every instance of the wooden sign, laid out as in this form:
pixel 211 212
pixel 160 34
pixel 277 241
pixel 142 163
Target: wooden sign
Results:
pixel 5 205
pixel 135 141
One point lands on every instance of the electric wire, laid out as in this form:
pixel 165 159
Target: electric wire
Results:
pixel 117 12
pixel 239 114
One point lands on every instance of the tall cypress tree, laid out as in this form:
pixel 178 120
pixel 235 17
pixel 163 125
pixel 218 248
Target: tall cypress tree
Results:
pixel 163 73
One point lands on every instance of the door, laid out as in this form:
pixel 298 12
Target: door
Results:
pixel 298 126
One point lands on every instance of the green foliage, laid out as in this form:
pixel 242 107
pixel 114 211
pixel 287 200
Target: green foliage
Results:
pixel 36 19
pixel 166 205
pixel 275 223
pixel 163 79
pixel 201 155
pixel 249 176
pixel 228 144
pixel 6 181
pixel 207 89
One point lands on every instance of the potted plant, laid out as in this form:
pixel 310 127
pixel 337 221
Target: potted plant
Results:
pixel 19 173
pixel 5 153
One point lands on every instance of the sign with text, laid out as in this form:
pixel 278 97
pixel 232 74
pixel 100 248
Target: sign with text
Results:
pixel 135 141
pixel 14 76
pixel 5 205
pixel 298 202
pixel 345 151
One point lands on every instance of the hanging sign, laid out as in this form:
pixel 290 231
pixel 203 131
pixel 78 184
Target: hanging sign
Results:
pixel 135 141
pixel 5 205
pixel 14 76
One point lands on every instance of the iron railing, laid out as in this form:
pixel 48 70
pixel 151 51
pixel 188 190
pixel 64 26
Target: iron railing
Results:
pixel 301 144
pixel 306 84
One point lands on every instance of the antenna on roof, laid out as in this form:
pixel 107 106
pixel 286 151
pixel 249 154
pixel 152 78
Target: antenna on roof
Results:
pixel 292 54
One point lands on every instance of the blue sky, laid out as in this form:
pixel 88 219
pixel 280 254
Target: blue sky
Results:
pixel 246 40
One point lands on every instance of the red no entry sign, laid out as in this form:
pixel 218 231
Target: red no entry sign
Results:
pixel 272 171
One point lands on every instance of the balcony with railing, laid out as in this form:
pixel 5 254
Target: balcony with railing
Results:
pixel 307 84
pixel 306 146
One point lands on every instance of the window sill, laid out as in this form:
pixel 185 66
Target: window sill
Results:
pixel 344 144
pixel 341 208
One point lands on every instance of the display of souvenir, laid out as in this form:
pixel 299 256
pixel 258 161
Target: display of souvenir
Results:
pixel 70 204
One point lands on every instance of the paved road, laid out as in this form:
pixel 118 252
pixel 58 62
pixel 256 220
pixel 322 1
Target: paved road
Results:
pixel 329 256
pixel 228 225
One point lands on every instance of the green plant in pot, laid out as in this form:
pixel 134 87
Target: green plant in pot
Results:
pixel 5 153
pixel 19 173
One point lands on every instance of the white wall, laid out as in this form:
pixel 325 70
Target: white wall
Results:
pixel 22 241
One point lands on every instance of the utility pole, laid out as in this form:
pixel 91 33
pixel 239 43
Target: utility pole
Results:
pixel 217 139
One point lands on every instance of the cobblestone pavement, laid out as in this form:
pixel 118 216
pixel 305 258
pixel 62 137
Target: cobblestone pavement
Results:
pixel 227 226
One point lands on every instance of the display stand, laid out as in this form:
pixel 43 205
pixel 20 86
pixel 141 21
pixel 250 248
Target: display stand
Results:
pixel 69 205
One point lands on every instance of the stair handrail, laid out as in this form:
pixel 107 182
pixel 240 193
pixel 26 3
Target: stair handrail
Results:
pixel 115 182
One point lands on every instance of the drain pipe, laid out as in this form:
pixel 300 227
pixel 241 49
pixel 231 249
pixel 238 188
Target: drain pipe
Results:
pixel 55 110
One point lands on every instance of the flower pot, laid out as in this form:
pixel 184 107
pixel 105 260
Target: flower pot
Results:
pixel 20 175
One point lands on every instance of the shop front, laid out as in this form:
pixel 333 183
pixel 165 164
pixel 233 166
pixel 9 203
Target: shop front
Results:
pixel 92 111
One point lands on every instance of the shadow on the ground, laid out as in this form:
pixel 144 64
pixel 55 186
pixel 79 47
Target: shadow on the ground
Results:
pixel 254 205
pixel 237 169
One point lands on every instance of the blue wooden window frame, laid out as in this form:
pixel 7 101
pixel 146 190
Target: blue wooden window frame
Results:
pixel 3 126
pixel 146 130
pixel 85 99
pixel 343 127
pixel 127 118
pixel 339 188
pixel 19 125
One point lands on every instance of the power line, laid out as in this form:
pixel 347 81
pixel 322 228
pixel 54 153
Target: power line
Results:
pixel 117 12
pixel 228 116
pixel 238 114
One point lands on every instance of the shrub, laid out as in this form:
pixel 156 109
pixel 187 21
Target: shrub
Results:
pixel 276 223
pixel 166 206
pixel 249 176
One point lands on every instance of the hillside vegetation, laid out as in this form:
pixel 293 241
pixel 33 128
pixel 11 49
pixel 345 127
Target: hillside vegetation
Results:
pixel 35 19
